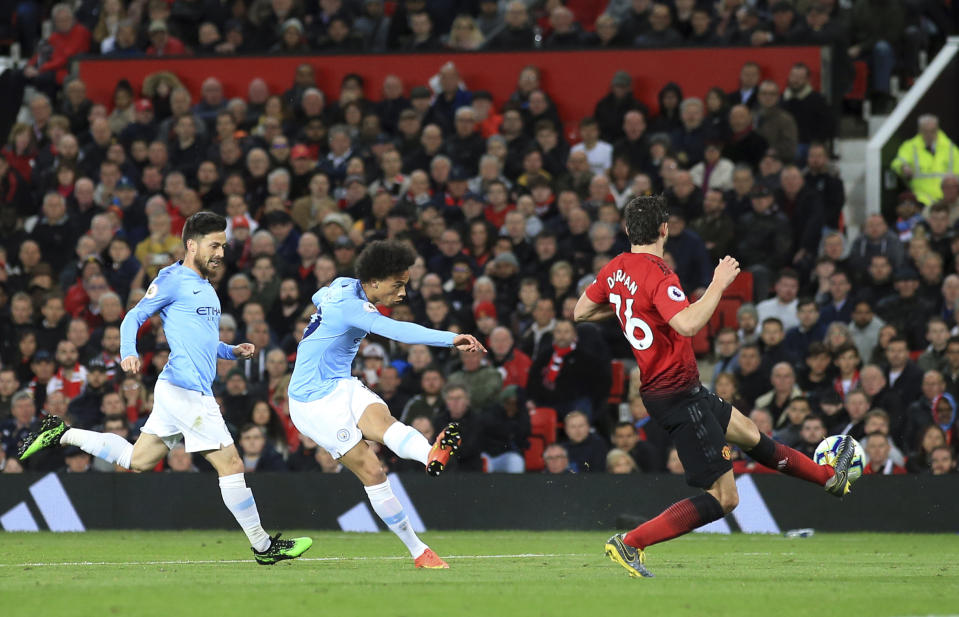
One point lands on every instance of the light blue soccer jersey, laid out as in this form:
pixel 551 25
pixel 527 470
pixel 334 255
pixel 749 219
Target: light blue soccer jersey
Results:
pixel 190 310
pixel 344 315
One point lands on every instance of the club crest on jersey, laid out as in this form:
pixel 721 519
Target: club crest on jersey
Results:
pixel 621 277
pixel 675 293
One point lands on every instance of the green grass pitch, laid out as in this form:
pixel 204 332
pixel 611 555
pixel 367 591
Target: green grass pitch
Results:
pixel 492 574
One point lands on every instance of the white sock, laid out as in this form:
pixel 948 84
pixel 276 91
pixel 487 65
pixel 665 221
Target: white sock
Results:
pixel 111 448
pixel 389 509
pixel 239 500
pixel 407 442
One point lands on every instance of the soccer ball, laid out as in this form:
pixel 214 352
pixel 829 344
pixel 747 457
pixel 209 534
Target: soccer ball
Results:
pixel 826 455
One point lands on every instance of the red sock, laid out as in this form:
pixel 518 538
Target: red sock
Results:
pixel 679 518
pixel 790 462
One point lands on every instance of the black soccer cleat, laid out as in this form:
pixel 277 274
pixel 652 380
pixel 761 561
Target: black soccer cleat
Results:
pixel 839 484
pixel 282 549
pixel 446 445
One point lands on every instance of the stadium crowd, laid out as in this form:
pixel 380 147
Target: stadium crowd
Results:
pixel 510 222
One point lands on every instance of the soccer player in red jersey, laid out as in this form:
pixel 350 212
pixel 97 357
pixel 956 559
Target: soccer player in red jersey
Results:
pixel 641 291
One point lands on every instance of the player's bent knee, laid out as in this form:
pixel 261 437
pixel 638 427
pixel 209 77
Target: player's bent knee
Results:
pixel 729 501
pixel 141 464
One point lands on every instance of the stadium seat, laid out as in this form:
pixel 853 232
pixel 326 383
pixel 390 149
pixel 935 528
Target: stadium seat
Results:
pixel 701 345
pixel 725 315
pixel 741 288
pixel 617 389
pixel 860 82
pixel 543 427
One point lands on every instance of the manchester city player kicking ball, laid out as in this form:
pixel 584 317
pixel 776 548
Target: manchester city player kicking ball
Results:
pixel 641 291
pixel 338 412
pixel 183 405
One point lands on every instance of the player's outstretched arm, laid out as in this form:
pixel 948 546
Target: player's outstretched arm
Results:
pixel 587 310
pixel 691 319
pixel 410 333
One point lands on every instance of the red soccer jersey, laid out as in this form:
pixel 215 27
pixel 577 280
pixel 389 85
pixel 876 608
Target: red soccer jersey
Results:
pixel 646 294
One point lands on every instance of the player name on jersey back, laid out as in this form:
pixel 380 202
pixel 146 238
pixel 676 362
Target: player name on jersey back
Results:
pixel 621 277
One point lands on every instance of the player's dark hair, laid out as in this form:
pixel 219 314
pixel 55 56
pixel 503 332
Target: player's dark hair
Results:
pixel 773 320
pixel 644 216
pixel 624 423
pixel 201 224
pixel 806 301
pixel 813 418
pixel 382 259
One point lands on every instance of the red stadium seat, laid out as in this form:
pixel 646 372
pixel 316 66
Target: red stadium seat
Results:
pixel 543 426
pixel 701 345
pixel 741 288
pixel 617 389
pixel 726 312
pixel 860 82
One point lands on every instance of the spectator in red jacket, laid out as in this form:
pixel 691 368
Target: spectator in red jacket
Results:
pixel 512 363
pixel 48 67
pixel 162 43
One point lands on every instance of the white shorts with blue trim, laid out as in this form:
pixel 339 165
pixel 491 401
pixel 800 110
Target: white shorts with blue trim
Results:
pixel 332 421
pixel 195 417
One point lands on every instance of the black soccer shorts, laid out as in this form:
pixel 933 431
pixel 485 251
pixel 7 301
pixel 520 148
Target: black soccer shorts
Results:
pixel 696 420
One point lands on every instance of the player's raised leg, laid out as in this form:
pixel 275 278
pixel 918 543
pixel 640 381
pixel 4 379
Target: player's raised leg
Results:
pixel 238 499
pixel 142 456
pixel 377 424
pixel 743 432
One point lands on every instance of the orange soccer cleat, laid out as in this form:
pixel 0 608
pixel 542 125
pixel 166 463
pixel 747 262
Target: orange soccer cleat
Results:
pixel 446 444
pixel 430 561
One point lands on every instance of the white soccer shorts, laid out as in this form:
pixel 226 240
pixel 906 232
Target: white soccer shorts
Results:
pixel 189 415
pixel 332 421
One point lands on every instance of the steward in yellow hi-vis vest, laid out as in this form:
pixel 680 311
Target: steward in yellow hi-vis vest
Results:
pixel 925 159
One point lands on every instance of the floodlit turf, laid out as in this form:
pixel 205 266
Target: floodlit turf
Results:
pixel 492 574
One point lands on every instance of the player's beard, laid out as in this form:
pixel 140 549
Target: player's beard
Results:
pixel 208 266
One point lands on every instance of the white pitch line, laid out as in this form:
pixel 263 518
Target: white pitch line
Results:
pixel 185 562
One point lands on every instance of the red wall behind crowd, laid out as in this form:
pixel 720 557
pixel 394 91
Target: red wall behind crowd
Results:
pixel 576 79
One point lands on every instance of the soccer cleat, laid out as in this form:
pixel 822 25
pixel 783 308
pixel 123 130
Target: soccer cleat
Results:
pixel 430 561
pixel 282 549
pixel 839 484
pixel 51 430
pixel 630 557
pixel 446 444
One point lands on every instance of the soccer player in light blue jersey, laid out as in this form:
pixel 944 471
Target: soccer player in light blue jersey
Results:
pixel 334 409
pixel 183 403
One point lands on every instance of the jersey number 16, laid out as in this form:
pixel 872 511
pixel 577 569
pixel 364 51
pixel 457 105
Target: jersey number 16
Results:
pixel 632 324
